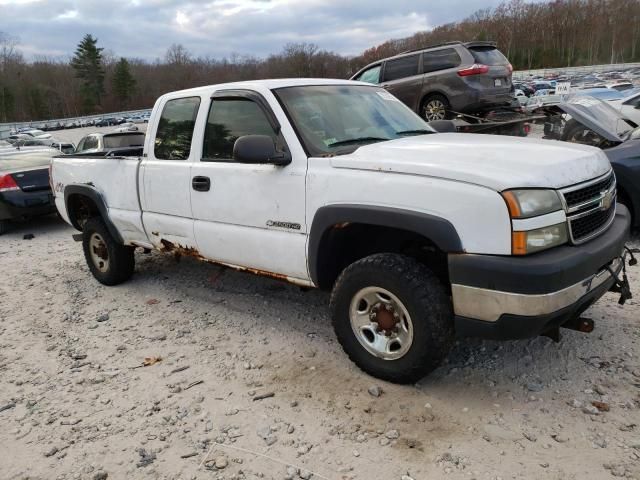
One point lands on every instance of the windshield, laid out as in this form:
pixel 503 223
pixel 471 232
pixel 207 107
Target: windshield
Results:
pixel 338 119
pixel 118 141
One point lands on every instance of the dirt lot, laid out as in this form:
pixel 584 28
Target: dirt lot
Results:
pixel 75 407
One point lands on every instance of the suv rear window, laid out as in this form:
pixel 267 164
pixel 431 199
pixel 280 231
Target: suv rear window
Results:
pixel 440 60
pixel 488 56
pixel 401 68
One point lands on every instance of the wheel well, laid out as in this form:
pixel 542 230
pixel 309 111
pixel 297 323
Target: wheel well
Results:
pixel 80 209
pixel 343 244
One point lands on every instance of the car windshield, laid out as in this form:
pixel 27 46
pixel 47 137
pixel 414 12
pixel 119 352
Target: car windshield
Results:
pixel 338 119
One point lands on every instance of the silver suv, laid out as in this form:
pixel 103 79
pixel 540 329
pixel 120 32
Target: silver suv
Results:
pixel 443 79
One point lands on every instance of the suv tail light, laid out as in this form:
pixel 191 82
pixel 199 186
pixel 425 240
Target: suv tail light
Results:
pixel 476 69
pixel 8 184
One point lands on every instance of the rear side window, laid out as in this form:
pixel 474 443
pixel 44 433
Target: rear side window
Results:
pixel 175 129
pixel 370 76
pixel 229 119
pixel 440 60
pixel 488 56
pixel 401 68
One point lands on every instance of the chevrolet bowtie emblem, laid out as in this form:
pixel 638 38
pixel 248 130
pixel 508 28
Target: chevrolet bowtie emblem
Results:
pixel 607 200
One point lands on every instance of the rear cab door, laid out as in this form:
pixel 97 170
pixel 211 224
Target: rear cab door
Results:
pixel 165 174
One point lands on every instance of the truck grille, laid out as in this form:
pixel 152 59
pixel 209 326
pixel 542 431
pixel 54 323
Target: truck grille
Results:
pixel 585 194
pixel 590 208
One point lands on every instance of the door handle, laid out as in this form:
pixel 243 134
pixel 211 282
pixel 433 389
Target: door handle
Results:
pixel 201 184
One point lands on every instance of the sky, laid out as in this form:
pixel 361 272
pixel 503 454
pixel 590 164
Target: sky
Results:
pixel 219 28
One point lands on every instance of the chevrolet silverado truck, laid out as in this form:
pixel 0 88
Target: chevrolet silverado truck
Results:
pixel 338 185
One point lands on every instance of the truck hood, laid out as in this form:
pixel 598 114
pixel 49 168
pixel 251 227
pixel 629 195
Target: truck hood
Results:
pixel 493 161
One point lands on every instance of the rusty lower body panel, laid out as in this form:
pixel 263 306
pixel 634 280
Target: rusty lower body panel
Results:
pixel 183 251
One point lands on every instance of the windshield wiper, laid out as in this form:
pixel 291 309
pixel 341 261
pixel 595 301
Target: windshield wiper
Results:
pixel 350 141
pixel 414 132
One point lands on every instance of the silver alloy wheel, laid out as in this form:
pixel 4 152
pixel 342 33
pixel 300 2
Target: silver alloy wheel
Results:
pixel 99 252
pixel 381 323
pixel 435 110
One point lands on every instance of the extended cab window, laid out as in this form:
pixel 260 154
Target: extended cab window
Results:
pixel 440 60
pixel 175 129
pixel 401 68
pixel 370 76
pixel 229 119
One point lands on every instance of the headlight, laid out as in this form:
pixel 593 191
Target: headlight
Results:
pixel 531 203
pixel 539 239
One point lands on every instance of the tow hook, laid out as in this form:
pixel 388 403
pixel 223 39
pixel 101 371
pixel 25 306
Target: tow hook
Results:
pixel 621 285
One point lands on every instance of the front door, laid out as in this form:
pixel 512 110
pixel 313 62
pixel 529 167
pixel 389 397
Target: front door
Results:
pixel 249 215
pixel 165 177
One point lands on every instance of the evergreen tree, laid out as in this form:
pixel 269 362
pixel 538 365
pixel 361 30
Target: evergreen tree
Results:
pixel 87 62
pixel 123 81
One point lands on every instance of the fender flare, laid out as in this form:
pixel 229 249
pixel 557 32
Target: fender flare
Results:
pixel 439 230
pixel 92 193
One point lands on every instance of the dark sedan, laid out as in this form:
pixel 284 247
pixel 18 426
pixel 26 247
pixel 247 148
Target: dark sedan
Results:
pixel 24 184
pixel 625 160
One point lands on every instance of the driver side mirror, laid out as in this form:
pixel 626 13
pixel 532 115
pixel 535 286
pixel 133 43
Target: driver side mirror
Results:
pixel 258 149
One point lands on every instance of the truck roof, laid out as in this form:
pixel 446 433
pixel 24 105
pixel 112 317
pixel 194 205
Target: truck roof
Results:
pixel 268 84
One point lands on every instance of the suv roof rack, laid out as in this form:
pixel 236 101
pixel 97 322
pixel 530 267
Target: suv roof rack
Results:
pixel 478 43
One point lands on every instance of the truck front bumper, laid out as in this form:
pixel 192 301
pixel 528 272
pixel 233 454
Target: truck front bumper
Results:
pixel 509 297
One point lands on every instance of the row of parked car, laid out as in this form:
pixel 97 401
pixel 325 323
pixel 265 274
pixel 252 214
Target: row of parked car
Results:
pixel 84 122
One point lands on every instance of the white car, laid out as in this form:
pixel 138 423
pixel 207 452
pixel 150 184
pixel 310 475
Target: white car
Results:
pixel 339 185
pixel 126 127
pixel 629 107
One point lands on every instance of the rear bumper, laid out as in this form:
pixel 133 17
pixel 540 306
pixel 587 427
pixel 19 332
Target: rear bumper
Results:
pixel 19 204
pixel 520 297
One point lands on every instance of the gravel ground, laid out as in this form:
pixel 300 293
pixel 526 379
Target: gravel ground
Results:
pixel 252 384
pixel 246 380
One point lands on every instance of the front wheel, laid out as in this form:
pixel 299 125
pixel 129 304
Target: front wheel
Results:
pixel 110 262
pixel 393 317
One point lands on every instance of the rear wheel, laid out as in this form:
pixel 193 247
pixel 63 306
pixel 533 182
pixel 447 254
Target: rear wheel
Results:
pixel 436 107
pixel 110 262
pixel 392 317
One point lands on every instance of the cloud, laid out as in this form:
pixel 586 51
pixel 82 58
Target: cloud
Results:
pixel 219 28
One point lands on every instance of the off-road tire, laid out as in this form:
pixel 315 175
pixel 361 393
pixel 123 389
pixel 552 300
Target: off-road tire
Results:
pixel 121 260
pixel 426 301
pixel 436 98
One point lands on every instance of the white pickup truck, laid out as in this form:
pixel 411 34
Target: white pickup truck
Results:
pixel 338 185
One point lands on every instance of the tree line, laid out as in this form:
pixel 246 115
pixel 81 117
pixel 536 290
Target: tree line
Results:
pixel 93 81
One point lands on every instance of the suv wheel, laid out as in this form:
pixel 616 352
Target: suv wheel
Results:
pixel 436 107
pixel 392 317
pixel 110 262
